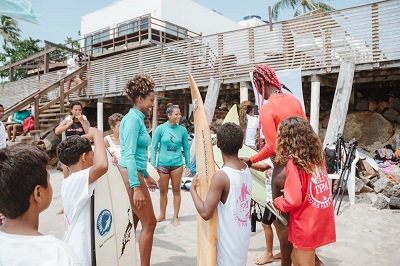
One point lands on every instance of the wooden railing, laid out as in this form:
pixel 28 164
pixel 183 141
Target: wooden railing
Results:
pixel 367 35
pixel 35 96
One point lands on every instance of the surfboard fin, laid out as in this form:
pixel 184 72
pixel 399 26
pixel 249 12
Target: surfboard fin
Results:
pixel 277 213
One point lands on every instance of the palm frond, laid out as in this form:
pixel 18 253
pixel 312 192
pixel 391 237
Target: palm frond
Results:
pixel 324 6
pixel 281 5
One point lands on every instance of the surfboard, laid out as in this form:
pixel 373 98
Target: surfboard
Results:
pixel 258 191
pixel 114 237
pixel 206 230
pixel 150 169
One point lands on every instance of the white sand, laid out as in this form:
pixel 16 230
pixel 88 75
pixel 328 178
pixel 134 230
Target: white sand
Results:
pixel 365 235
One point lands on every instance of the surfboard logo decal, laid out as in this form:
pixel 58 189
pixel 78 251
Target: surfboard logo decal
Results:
pixel 104 221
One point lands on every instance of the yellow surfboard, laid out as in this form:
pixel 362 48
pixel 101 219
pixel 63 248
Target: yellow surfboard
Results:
pixel 206 230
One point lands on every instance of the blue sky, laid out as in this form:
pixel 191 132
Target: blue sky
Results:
pixel 59 19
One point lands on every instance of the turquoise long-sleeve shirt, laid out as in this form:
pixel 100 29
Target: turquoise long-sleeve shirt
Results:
pixel 21 116
pixel 134 140
pixel 171 139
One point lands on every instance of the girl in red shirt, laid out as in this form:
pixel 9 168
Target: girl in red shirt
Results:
pixel 307 193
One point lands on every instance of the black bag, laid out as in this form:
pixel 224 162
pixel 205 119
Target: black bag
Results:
pixel 330 159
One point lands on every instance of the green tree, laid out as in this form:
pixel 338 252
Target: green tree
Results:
pixel 9 29
pixel 307 5
pixel 20 49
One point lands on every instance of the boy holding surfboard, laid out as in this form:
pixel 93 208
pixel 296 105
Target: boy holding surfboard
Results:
pixel 26 191
pixel 230 195
pixel 85 168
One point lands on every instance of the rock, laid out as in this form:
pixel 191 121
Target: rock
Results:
pixel 395 191
pixel 394 103
pixel 394 203
pixel 363 199
pixel 382 106
pixel 387 191
pixel 381 203
pixel 362 105
pixel 380 185
pixel 391 114
pixel 398 120
pixel 367 128
pixel 395 171
pixel 359 185
pixel 372 106
pixel 367 189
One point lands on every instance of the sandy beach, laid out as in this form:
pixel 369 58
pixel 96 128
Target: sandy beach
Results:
pixel 365 235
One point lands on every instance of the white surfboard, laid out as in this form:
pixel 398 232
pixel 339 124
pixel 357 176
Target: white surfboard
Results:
pixel 114 237
pixel 153 172
pixel 232 115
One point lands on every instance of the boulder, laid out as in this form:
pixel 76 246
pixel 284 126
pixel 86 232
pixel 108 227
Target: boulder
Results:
pixel 362 105
pixel 367 189
pixel 394 203
pixel 391 114
pixel 382 106
pixel 380 184
pixel 359 185
pixel 387 191
pixel 394 103
pixel 367 128
pixel 372 106
pixel 395 191
pixel 363 199
pixel 381 203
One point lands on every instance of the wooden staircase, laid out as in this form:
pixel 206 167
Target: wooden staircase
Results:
pixel 49 112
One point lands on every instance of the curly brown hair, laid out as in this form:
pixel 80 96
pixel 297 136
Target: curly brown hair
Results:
pixel 245 108
pixel 297 140
pixel 140 85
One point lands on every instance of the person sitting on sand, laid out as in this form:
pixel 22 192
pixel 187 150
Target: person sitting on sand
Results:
pixel 230 195
pixel 85 168
pixel 26 191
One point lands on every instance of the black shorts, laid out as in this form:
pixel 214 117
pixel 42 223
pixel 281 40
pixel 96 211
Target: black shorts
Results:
pixel 268 217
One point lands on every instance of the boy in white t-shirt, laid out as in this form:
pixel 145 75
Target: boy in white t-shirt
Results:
pixel 85 167
pixel 25 192
pixel 230 195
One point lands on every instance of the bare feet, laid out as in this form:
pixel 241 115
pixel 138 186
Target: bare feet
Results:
pixel 318 262
pixel 264 259
pixel 277 256
pixel 160 218
pixel 176 222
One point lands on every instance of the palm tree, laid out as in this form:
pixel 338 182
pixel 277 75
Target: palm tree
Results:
pixel 308 5
pixel 9 29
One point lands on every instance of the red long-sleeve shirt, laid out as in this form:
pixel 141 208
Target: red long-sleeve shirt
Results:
pixel 279 107
pixel 309 201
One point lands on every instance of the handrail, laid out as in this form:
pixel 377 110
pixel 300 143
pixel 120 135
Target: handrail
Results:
pixel 34 97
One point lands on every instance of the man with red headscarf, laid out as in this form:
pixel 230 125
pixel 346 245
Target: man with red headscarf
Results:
pixel 280 106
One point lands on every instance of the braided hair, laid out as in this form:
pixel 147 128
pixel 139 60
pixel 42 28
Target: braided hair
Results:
pixel 140 85
pixel 264 75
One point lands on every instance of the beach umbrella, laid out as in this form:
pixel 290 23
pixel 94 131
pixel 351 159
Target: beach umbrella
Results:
pixel 18 9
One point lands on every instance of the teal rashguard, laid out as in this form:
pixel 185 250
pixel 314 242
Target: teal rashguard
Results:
pixel 134 140
pixel 171 139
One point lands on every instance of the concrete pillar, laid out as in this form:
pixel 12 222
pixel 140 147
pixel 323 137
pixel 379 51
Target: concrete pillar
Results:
pixel 100 114
pixel 315 102
pixel 244 92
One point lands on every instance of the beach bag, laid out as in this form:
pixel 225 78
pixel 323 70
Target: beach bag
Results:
pixel 330 158
pixel 28 124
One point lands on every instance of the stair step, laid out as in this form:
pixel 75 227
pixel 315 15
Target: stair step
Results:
pixel 49 120
pixel 51 115
pixel 35 131
pixel 46 125
pixel 51 110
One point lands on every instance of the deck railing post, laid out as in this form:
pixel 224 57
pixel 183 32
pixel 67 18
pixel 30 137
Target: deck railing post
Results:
pixel 36 111
pixel 46 59
pixel 62 109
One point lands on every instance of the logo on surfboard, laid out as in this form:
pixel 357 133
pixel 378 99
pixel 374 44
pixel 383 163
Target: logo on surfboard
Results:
pixel 104 221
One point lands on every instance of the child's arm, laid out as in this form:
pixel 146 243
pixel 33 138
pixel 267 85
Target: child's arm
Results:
pixel 100 161
pixel 207 208
pixel 292 196
pixel 261 167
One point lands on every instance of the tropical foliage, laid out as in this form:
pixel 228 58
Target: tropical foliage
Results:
pixel 9 29
pixel 297 5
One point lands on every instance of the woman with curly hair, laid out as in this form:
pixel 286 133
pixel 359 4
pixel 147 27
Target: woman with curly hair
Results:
pixel 134 140
pixel 307 194
pixel 249 123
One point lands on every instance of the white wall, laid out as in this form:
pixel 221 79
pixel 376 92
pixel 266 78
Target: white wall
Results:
pixel 195 17
pixel 185 13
